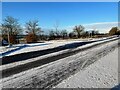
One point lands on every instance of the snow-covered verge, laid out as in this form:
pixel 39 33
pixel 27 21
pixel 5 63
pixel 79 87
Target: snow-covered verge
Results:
pixel 34 47
pixel 53 73
pixel 40 46
pixel 101 74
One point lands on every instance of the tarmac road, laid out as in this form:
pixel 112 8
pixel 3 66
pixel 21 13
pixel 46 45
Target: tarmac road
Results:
pixel 33 54
pixel 27 66
pixel 57 71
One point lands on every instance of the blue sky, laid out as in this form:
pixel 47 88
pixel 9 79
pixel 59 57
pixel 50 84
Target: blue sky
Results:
pixel 66 13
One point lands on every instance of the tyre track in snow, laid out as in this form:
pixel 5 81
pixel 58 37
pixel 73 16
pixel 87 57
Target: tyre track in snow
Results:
pixel 56 72
pixel 27 66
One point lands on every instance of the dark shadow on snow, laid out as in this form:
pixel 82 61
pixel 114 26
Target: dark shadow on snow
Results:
pixel 23 67
pixel 33 54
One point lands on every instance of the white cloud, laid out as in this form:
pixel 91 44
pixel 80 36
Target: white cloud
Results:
pixel 102 27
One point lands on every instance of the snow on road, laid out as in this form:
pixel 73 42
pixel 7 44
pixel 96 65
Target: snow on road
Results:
pixel 101 74
pixel 54 44
pixel 36 46
pixel 24 48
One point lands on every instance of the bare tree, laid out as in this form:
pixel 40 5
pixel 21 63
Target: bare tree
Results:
pixel 57 32
pixel 78 30
pixel 64 33
pixel 51 35
pixel 11 27
pixel 33 27
pixel 33 30
pixel 56 25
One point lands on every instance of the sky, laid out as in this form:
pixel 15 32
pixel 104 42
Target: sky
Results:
pixel 92 15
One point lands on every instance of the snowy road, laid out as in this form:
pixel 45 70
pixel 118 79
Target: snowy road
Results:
pixel 25 48
pixel 101 74
pixel 51 74
pixel 23 65
pixel 26 54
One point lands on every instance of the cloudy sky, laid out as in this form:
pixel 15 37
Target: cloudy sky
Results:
pixel 92 15
pixel 102 27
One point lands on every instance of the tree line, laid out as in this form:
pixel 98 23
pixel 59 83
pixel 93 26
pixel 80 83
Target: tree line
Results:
pixel 11 29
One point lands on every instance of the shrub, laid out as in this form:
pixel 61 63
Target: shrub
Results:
pixel 13 39
pixel 113 31
pixel 31 38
